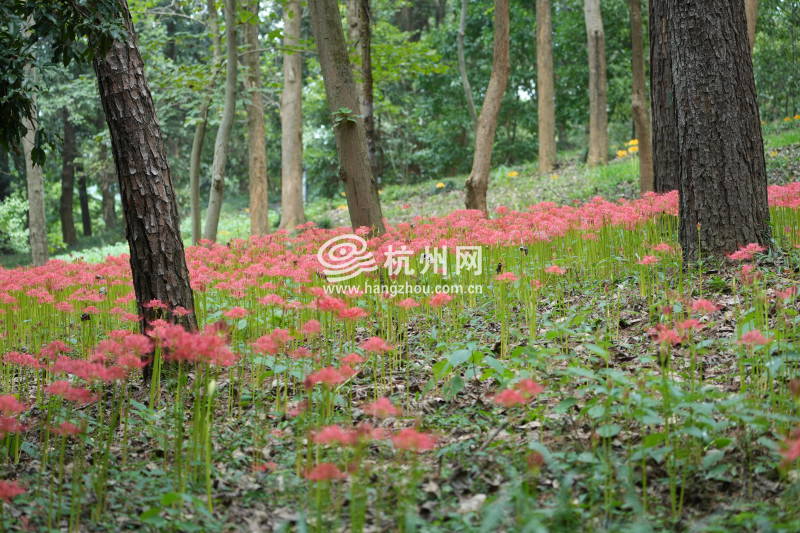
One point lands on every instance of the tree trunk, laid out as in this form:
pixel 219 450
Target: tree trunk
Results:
pixel 83 198
pixel 292 213
pixel 641 113
pixel 545 87
pixel 598 85
pixel 348 126
pixel 152 223
pixel 37 224
pixel 359 20
pixel 256 147
pixel 462 64
pixel 723 180
pixel 68 233
pixel 478 181
pixel 751 7
pixel 665 115
pixel 224 131
pixel 107 195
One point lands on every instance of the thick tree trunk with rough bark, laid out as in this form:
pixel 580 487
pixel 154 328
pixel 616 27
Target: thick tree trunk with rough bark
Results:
pixel 83 199
pixel 292 213
pixel 359 19
pixel 152 223
pixel 256 147
pixel 598 84
pixel 545 86
pixel 751 7
pixel 224 131
pixel 68 233
pixel 348 126
pixel 639 104
pixel 462 64
pixel 478 181
pixel 664 114
pixel 723 180
pixel 37 224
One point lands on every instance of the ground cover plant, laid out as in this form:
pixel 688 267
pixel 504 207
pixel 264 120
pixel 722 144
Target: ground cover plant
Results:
pixel 586 380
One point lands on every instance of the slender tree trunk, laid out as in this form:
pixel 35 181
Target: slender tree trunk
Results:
pixel 108 197
pixel 224 131
pixel 723 180
pixel 545 87
pixel 462 64
pixel 359 17
pixel 641 113
pixel 598 85
pixel 152 223
pixel 37 224
pixel 256 147
pixel 478 181
pixel 665 114
pixel 751 7
pixel 68 233
pixel 348 126
pixel 83 198
pixel 292 213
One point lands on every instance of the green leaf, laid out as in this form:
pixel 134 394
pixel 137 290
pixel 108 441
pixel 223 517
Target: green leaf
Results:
pixel 609 430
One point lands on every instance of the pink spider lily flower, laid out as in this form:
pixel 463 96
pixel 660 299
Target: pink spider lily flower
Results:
pixel 413 440
pixel 381 408
pixel 325 472
pixel 754 337
pixel 376 345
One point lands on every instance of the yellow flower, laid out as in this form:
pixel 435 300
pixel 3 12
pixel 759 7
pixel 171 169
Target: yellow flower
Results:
pixel 342 207
pixel 797 117
pixel 621 153
pixel 633 149
pixel 787 119
pixel 773 153
pixel 554 177
pixel 440 185
pixel 633 142
pixel 342 194
pixel 513 174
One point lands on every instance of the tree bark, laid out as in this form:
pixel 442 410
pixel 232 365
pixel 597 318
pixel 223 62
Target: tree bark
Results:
pixel 641 113
pixel 478 181
pixel 256 147
pixel 598 85
pixel 83 198
pixel 68 233
pixel 152 223
pixel 545 86
pixel 462 64
pixel 359 19
pixel 664 114
pixel 751 7
pixel 292 213
pixel 348 126
pixel 37 224
pixel 723 180
pixel 224 131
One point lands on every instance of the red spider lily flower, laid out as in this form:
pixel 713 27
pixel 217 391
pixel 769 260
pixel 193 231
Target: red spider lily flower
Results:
pixel 509 398
pixel 10 490
pixel 301 353
pixel 536 284
pixel 352 359
pixel 311 328
pixel 529 387
pixel 556 270
pixel 439 299
pixel 325 472
pixel 236 312
pixel 21 359
pixel 786 294
pixel 70 393
pixel 746 253
pixel 412 440
pixel 265 467
pixel 690 324
pixel 754 337
pixel 376 345
pixel 407 303
pixel 328 376
pixel 791 450
pixel 589 236
pixel 381 408
pixel 271 299
pixel 347 371
pixel 663 248
pixel 297 409
pixel 704 306
pixel 335 435
pixel 749 274
pixel 64 307
pixel 10 405
pixel 66 429
pixel 506 276
pixel 9 424
pixel 352 313
pixel 181 311
pixel 368 432
pixel 156 304
pixel 52 349
pixel 665 335
pixel 648 260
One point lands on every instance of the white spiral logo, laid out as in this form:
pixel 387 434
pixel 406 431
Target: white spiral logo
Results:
pixel 345 256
